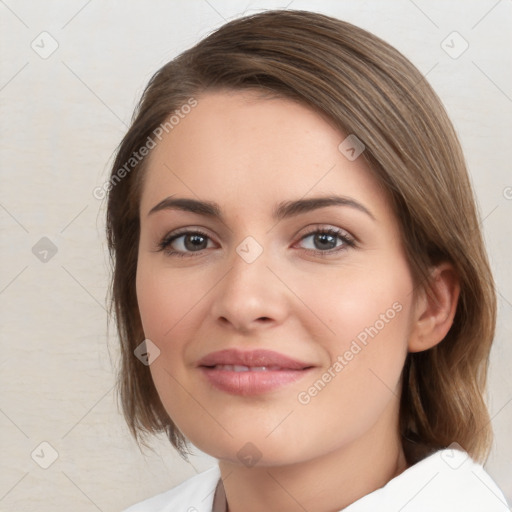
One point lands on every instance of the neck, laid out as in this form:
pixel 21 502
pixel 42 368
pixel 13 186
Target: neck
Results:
pixel 327 483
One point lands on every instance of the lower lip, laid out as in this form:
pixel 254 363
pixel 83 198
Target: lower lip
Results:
pixel 252 382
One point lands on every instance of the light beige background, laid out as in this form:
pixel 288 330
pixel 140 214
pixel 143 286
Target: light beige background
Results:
pixel 62 117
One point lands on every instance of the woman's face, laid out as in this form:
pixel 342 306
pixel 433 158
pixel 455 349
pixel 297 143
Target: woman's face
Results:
pixel 278 325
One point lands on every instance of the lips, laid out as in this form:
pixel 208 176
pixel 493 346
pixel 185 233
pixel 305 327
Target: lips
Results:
pixel 251 372
pixel 252 359
pixel 242 368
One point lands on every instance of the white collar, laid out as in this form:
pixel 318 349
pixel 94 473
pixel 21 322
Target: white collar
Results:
pixel 446 480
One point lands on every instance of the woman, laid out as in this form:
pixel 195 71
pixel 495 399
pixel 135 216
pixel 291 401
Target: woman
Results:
pixel 300 284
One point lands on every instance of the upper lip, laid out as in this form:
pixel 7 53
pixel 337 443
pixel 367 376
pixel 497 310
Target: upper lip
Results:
pixel 252 358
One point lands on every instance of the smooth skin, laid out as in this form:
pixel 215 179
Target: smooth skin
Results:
pixel 248 154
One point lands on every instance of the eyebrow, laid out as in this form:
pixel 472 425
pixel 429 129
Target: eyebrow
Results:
pixel 283 210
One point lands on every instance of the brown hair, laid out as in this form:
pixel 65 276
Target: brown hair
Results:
pixel 367 88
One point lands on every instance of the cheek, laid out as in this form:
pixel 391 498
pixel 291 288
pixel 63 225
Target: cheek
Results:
pixel 358 302
pixel 368 314
pixel 167 307
pixel 164 301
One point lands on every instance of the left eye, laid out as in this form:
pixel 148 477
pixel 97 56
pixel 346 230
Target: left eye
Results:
pixel 326 240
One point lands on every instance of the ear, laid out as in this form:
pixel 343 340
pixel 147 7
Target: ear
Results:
pixel 435 308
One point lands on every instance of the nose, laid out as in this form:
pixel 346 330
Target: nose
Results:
pixel 250 296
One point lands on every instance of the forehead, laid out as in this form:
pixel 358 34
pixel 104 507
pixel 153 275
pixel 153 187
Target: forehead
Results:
pixel 245 151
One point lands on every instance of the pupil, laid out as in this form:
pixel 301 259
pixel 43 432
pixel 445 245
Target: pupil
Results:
pixel 195 242
pixel 322 238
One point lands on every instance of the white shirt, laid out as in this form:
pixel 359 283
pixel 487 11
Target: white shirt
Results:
pixel 446 481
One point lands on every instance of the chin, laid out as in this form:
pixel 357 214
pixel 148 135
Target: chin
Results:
pixel 244 449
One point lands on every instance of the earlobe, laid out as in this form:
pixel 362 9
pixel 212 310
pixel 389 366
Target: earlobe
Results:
pixel 435 308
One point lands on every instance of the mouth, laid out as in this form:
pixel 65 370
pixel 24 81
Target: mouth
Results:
pixel 242 368
pixel 251 372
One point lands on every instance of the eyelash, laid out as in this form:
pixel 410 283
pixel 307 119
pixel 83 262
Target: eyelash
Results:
pixel 347 242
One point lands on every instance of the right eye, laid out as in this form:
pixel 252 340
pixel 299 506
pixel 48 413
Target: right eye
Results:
pixel 184 243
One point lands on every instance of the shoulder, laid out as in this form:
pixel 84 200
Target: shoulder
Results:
pixel 446 481
pixel 193 495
